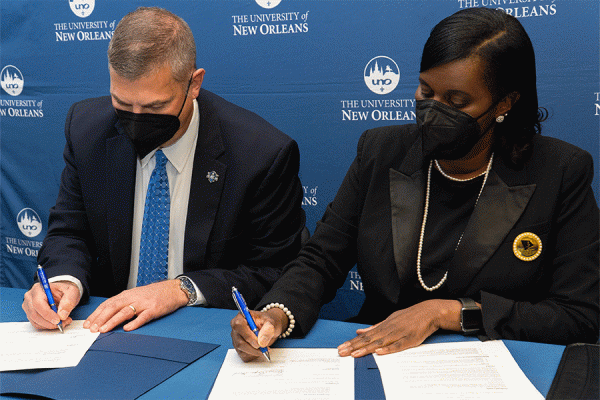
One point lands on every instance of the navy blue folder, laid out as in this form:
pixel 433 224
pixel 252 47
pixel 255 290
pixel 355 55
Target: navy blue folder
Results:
pixel 117 366
pixel 367 379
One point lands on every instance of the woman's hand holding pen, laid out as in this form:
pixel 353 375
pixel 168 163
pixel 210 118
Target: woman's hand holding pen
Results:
pixel 404 329
pixel 271 324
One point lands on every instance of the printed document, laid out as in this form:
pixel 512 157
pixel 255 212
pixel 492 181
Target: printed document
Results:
pixel 25 347
pixel 291 374
pixel 464 370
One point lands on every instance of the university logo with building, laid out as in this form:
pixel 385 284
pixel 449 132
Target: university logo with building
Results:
pixel 12 80
pixel 29 222
pixel 382 75
pixel 13 83
pixel 30 225
pixel 82 8
pixel 83 31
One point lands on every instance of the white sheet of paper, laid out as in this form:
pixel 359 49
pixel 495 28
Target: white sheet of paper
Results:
pixel 464 370
pixel 291 374
pixel 25 347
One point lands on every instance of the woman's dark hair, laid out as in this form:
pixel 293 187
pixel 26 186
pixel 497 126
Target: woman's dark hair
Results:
pixel 500 41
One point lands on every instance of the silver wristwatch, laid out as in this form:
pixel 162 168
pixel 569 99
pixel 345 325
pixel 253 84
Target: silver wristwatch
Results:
pixel 187 286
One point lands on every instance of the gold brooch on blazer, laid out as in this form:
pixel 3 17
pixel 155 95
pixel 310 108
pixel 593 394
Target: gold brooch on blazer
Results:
pixel 527 246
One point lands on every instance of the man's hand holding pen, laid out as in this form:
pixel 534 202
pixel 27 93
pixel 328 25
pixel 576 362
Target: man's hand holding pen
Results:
pixel 38 310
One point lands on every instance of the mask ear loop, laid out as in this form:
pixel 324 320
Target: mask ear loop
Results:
pixel 494 105
pixel 498 119
pixel 186 95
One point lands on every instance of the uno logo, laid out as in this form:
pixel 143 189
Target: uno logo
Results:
pixel 82 8
pixel 29 222
pixel 382 75
pixel 11 80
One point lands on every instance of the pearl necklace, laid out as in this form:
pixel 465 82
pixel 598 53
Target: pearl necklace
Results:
pixel 439 168
pixel 425 212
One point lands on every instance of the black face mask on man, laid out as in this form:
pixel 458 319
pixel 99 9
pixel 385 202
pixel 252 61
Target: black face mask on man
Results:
pixel 148 131
pixel 448 133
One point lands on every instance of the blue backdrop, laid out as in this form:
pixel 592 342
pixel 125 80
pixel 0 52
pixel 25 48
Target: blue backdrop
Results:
pixel 299 64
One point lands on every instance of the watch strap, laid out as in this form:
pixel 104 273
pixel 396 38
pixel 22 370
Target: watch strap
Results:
pixel 187 286
pixel 470 317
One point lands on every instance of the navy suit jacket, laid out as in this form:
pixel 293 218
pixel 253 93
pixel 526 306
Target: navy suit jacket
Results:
pixel 240 230
pixel 375 223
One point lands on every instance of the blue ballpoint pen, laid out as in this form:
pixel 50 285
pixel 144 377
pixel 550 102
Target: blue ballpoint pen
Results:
pixel 241 305
pixel 44 282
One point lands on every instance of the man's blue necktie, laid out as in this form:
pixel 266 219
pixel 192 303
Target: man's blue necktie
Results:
pixel 154 243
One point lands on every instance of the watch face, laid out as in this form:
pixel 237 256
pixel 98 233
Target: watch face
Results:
pixel 187 286
pixel 471 318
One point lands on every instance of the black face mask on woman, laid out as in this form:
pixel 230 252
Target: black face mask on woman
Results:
pixel 148 131
pixel 447 133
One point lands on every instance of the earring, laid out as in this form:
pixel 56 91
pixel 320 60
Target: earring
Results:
pixel 500 118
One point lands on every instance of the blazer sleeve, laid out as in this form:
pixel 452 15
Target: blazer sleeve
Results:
pixel 273 224
pixel 66 249
pixel 569 312
pixel 323 264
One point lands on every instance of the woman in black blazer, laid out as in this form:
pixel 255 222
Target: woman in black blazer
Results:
pixel 468 221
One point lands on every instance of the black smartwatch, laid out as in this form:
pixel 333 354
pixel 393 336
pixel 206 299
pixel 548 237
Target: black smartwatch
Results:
pixel 470 317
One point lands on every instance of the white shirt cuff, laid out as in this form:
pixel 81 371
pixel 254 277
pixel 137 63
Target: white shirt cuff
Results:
pixel 68 278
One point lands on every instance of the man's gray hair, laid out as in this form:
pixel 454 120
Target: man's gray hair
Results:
pixel 149 38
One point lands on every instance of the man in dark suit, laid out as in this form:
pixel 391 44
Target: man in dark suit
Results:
pixel 215 184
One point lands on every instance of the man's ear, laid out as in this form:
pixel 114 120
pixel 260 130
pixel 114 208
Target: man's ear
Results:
pixel 197 78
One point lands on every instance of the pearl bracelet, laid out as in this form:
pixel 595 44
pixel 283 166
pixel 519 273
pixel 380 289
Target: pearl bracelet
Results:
pixel 291 320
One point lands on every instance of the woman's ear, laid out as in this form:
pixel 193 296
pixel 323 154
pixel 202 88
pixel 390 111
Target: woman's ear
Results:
pixel 507 103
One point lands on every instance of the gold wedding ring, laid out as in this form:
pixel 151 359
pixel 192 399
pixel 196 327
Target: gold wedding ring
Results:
pixel 133 309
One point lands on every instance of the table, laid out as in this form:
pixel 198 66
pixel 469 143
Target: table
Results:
pixel 538 361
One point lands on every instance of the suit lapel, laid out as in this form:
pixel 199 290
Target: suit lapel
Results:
pixel 407 202
pixel 205 192
pixel 120 183
pixel 499 208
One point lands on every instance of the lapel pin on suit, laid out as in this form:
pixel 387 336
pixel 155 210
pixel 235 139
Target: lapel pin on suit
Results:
pixel 527 246
pixel 212 177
